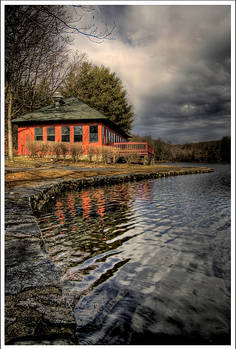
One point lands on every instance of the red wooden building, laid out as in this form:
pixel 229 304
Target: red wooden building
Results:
pixel 73 121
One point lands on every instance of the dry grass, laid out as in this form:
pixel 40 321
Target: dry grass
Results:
pixel 35 176
pixel 23 162
pixel 43 170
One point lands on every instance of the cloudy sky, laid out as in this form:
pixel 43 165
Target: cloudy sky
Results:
pixel 174 61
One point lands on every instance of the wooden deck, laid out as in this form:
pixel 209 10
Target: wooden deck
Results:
pixel 142 149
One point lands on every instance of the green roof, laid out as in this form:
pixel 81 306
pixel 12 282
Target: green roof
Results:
pixel 72 109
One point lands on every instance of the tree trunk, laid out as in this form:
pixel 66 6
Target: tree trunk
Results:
pixel 9 127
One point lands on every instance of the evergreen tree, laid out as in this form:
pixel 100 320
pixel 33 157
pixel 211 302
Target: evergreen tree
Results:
pixel 225 149
pixel 100 89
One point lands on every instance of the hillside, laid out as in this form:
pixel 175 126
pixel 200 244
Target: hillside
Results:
pixel 209 151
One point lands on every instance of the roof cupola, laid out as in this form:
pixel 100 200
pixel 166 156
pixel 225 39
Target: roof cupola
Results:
pixel 57 99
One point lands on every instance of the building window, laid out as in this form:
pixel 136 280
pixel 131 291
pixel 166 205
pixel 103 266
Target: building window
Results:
pixel 38 134
pixel 51 134
pixel 78 134
pixel 93 134
pixel 65 133
pixel 106 134
pixel 103 135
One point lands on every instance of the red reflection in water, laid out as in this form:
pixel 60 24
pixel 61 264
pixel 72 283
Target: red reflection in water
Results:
pixel 86 203
pixel 71 204
pixel 100 202
pixel 99 196
pixel 60 213
pixel 146 191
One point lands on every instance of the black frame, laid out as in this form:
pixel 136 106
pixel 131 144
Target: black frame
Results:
pixel 93 133
pixel 65 133
pixel 78 134
pixel 38 134
pixel 51 134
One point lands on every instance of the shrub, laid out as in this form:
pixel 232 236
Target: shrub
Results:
pixel 147 160
pixel 32 148
pixel 91 152
pixel 76 151
pixel 49 148
pixel 115 153
pixel 131 158
pixel 57 150
pixel 109 154
pixel 97 153
pixel 106 154
pixel 64 150
pixel 42 149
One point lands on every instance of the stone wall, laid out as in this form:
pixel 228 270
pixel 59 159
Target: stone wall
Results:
pixel 49 191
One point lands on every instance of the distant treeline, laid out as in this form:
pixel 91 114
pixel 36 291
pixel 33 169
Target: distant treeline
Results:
pixel 211 151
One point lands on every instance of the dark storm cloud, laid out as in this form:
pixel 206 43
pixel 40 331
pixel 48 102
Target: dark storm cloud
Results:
pixel 196 106
pixel 125 28
pixel 197 122
pixel 175 64
pixel 187 113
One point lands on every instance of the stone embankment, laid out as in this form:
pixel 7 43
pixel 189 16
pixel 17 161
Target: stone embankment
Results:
pixel 35 310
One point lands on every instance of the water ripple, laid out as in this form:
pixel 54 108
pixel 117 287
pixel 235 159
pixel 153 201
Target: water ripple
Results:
pixel 146 260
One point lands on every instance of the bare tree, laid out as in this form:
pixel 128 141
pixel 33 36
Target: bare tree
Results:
pixel 32 41
pixel 83 21
pixel 36 57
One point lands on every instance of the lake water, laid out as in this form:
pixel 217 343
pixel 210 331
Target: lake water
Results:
pixel 146 262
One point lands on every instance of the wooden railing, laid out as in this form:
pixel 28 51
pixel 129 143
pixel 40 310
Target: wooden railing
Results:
pixel 140 148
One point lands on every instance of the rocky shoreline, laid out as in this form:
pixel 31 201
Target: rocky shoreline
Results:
pixel 35 310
